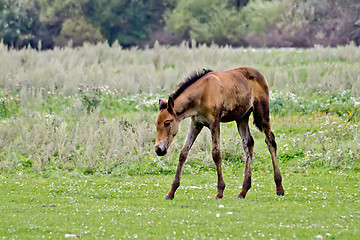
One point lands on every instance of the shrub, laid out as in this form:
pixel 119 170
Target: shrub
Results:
pixel 206 21
pixel 77 31
pixel 259 15
pixel 128 22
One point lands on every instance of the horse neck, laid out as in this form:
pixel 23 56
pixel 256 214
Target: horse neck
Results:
pixel 186 105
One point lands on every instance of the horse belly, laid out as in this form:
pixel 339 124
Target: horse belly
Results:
pixel 235 114
pixel 234 110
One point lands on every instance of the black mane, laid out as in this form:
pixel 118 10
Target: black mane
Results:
pixel 190 80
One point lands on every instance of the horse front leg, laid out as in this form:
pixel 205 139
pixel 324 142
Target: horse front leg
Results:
pixel 216 155
pixel 192 134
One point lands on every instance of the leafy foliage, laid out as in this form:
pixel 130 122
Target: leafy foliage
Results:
pixel 57 22
pixel 206 21
pixel 67 22
pixel 128 22
pixel 18 21
pixel 259 15
pixel 48 23
pixel 77 31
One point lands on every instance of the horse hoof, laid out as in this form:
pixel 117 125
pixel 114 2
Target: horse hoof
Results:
pixel 169 198
pixel 280 193
pixel 240 197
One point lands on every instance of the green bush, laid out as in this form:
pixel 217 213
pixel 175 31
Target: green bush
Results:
pixel 128 22
pixel 77 31
pixel 259 15
pixel 206 21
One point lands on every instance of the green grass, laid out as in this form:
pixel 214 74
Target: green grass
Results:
pixel 116 135
pixel 317 204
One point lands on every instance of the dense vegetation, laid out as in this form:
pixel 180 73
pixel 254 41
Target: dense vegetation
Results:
pixel 77 146
pixel 300 23
pixel 92 109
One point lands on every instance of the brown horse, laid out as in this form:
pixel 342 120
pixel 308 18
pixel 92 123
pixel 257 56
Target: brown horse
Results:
pixel 210 97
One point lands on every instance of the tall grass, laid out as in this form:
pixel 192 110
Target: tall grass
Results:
pixel 93 108
pixel 132 71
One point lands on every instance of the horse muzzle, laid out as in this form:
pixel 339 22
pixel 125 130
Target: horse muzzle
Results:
pixel 160 149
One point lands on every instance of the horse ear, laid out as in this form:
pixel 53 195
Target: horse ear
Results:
pixel 170 105
pixel 162 104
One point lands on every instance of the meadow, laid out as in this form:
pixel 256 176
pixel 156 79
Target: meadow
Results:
pixel 77 146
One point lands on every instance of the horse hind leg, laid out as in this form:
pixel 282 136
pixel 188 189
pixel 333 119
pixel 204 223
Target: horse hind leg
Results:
pixel 248 145
pixel 262 121
pixel 270 141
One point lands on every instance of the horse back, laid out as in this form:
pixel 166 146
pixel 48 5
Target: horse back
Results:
pixel 238 90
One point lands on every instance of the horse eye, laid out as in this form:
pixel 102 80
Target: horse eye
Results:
pixel 167 123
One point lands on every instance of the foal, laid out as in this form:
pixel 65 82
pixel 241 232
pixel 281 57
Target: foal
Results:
pixel 210 97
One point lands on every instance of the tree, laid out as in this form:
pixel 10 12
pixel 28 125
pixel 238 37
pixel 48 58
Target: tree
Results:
pixel 64 23
pixel 77 31
pixel 55 11
pixel 128 22
pixel 206 21
pixel 17 21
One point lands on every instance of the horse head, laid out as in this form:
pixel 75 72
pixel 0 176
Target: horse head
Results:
pixel 167 126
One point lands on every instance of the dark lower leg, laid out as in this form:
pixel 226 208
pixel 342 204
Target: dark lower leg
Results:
pixel 176 182
pixel 279 187
pixel 247 180
pixel 216 154
pixel 270 141
pixel 192 134
pixel 277 176
pixel 248 145
pixel 221 182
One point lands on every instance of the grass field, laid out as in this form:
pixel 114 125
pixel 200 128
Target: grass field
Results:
pixel 317 204
pixel 77 148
